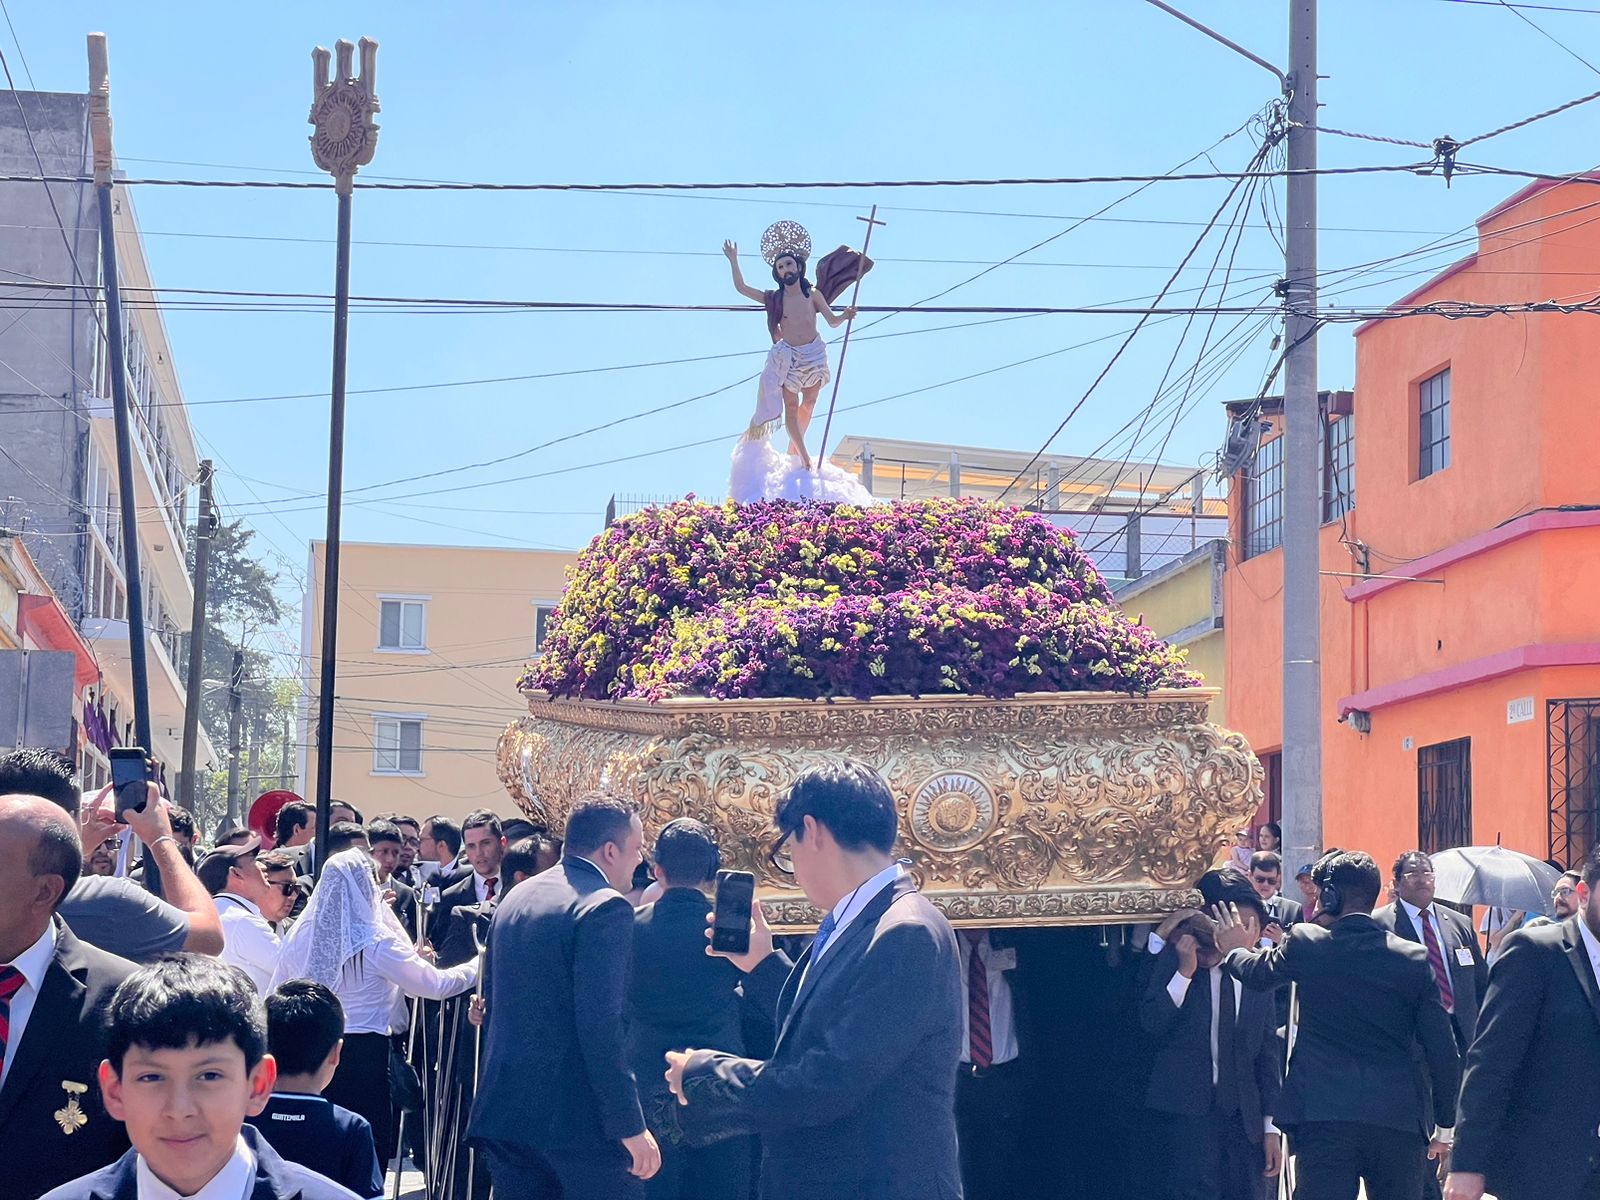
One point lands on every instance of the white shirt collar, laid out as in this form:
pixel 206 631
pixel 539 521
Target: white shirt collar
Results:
pixel 1415 913
pixel 850 906
pixel 247 905
pixel 33 962
pixel 1591 944
pixel 234 1182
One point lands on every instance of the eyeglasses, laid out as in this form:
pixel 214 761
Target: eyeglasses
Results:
pixel 1561 893
pixel 411 841
pixel 286 889
pixel 1418 873
pixel 779 857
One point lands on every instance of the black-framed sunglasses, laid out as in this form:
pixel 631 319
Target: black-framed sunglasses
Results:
pixel 779 857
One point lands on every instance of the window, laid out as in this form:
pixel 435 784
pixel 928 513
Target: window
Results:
pixel 1433 424
pixel 1338 467
pixel 397 746
pixel 401 624
pixel 1263 500
pixel 1444 796
pixel 541 624
pixel 1271 787
pixel 1573 738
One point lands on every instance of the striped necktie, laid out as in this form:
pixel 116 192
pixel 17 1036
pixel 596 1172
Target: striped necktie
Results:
pixel 979 1035
pixel 1441 973
pixel 11 981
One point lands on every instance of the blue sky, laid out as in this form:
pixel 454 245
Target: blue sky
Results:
pixel 604 92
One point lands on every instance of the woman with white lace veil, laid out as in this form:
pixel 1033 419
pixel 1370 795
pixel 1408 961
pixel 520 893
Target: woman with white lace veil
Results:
pixel 350 940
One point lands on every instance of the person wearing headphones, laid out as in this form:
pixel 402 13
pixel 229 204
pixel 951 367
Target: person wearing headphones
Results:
pixel 679 997
pixel 1353 1101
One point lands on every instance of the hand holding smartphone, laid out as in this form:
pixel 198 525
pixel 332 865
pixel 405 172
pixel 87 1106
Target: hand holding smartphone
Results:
pixel 130 773
pixel 730 928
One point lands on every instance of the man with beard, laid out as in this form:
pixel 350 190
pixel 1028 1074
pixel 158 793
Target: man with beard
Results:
pixel 797 364
pixel 102 859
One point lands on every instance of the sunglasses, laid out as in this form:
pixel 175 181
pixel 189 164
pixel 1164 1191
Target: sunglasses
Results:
pixel 287 889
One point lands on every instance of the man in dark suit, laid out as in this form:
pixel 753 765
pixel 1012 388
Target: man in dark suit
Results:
pixel 486 848
pixel 1454 957
pixel 557 1112
pixel 681 996
pixel 54 992
pixel 386 844
pixel 1530 1102
pixel 1353 1102
pixel 858 1098
pixel 1215 1075
pixel 1266 877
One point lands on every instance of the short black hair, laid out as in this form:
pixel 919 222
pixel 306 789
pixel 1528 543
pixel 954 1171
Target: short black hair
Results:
pixel 233 834
pixel 342 835
pixel 850 799
pixel 182 820
pixel 483 818
pixel 379 830
pixel 292 817
pixel 402 819
pixel 1277 831
pixel 58 852
pixel 1355 875
pixel 1401 864
pixel 304 1023
pixel 685 851
pixel 521 857
pixel 1591 869
pixel 278 860
pixel 46 774
pixel 596 819
pixel 1266 860
pixel 1575 876
pixel 183 1000
pixel 1229 885
pixel 443 829
pixel 333 804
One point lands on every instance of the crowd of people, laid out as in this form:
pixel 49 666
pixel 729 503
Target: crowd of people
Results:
pixel 545 1018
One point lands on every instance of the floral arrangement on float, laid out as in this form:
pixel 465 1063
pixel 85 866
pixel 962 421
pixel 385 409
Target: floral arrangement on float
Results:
pixel 1051 757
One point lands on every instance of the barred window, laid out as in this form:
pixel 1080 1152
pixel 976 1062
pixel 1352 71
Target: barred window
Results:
pixel 1263 500
pixel 1444 795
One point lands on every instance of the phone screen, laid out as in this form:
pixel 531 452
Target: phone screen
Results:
pixel 736 892
pixel 128 778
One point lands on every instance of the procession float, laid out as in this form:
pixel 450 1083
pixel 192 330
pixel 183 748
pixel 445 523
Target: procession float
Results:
pixel 1051 759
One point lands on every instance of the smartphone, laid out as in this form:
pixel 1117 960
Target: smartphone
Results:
pixel 129 775
pixel 736 893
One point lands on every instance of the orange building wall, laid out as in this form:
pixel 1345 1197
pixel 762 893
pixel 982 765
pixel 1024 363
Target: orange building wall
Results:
pixel 1524 437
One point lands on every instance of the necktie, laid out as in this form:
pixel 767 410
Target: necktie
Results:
pixel 824 932
pixel 488 887
pixel 979 1035
pixel 1227 1083
pixel 11 981
pixel 1441 973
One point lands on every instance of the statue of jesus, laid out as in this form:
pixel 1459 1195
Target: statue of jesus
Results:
pixel 797 365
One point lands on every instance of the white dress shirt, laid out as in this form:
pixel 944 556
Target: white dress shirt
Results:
pixel 1002 1017
pixel 248 941
pixel 235 1181
pixel 1415 913
pixel 375 983
pixel 1178 988
pixel 33 963
pixel 849 908
pixel 480 884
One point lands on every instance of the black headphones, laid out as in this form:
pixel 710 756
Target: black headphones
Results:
pixel 1330 899
pixel 701 827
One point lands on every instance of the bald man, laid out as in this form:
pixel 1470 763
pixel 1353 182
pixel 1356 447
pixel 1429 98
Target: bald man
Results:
pixel 53 993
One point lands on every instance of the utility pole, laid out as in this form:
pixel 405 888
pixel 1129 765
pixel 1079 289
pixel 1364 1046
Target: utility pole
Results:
pixel 252 774
pixel 283 759
pixel 346 137
pixel 1302 470
pixel 1302 466
pixel 205 525
pixel 235 690
pixel 122 419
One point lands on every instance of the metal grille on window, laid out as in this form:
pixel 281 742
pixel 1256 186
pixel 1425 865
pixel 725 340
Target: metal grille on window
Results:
pixel 1263 513
pixel 1338 467
pixel 1572 733
pixel 1444 795
pixel 1433 424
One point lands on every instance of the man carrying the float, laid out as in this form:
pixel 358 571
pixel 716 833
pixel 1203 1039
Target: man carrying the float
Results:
pixel 797 364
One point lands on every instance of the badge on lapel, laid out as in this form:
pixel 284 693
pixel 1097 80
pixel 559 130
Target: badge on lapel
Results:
pixel 71 1117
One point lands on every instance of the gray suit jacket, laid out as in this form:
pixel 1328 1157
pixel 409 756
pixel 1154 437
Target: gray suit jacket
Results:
pixel 1468 982
pixel 858 1098
pixel 555 1068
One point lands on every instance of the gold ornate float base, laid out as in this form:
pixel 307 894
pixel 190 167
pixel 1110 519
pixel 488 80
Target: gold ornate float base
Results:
pixel 1057 809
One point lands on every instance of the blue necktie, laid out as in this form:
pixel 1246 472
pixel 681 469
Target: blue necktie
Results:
pixel 824 932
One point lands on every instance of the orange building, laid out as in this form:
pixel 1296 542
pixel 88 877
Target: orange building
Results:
pixel 1460 556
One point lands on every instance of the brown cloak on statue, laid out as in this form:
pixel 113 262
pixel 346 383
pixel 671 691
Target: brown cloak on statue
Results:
pixel 835 272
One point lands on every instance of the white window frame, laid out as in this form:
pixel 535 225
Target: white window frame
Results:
pixel 397 719
pixel 402 600
pixel 552 605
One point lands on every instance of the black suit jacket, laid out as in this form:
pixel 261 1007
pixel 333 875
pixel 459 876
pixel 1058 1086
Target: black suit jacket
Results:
pixel 679 997
pixel 1286 912
pixel 276 1179
pixel 1467 983
pixel 1180 1081
pixel 555 1069
pixel 63 1043
pixel 1365 997
pixel 405 904
pixel 858 1098
pixel 452 937
pixel 1530 1102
